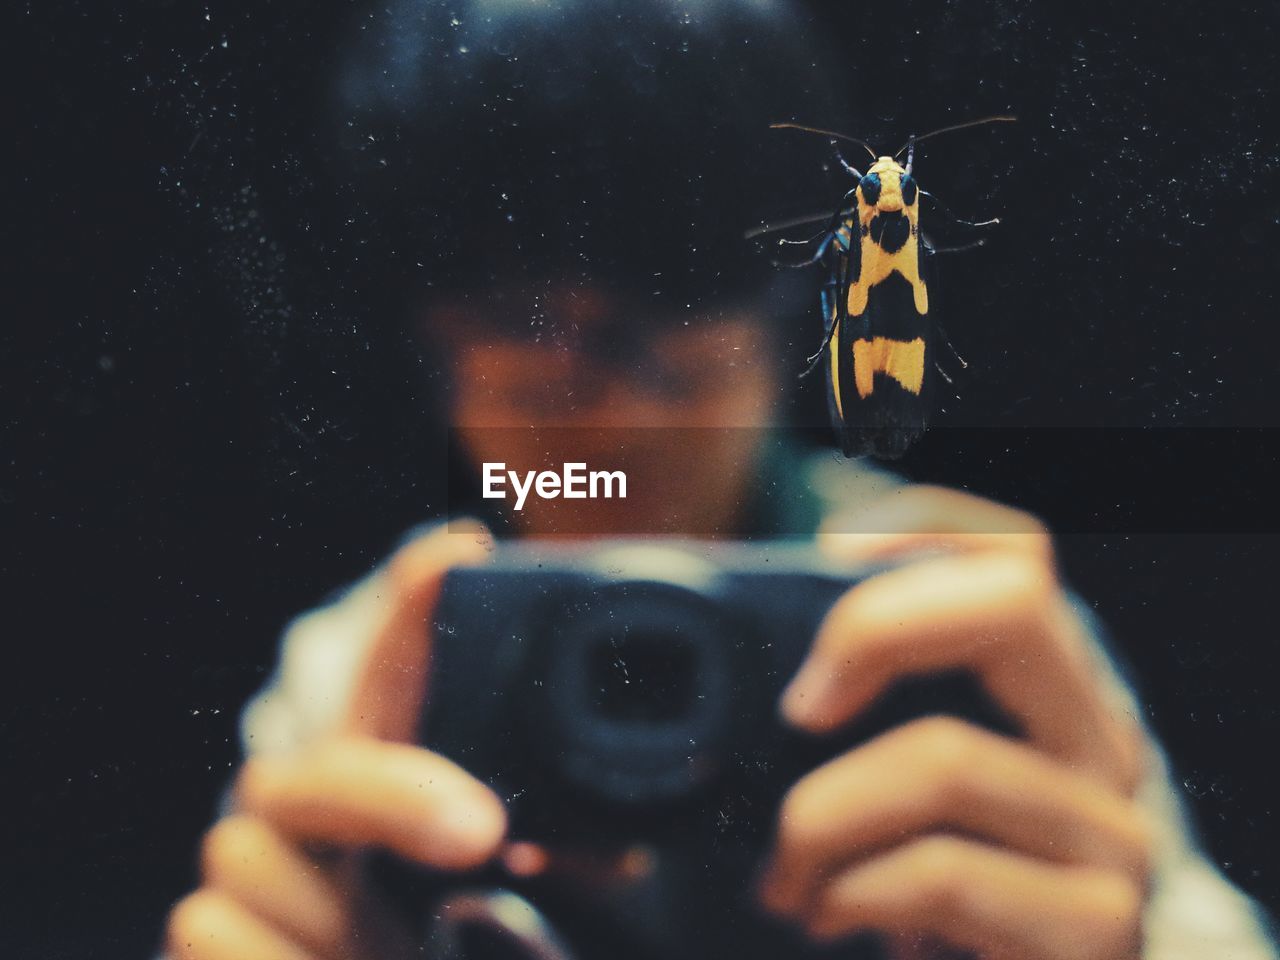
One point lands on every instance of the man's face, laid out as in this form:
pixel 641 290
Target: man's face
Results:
pixel 679 406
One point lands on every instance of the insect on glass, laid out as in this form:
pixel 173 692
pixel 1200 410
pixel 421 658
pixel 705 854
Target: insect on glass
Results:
pixel 879 340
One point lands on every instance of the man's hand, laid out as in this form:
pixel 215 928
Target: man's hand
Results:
pixel 939 834
pixel 279 879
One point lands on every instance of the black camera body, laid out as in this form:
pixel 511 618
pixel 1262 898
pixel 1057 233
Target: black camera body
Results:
pixel 623 700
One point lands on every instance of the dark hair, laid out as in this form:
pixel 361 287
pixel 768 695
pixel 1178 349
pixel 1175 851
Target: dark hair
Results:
pixel 498 142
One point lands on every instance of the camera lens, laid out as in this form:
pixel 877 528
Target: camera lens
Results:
pixel 636 689
pixel 641 676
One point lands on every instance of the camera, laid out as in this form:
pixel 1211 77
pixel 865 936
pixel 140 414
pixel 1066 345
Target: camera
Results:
pixel 621 698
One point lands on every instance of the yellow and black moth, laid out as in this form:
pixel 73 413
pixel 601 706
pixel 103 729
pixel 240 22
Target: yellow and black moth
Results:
pixel 879 339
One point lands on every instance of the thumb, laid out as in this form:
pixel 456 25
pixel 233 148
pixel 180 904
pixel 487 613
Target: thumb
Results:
pixel 390 685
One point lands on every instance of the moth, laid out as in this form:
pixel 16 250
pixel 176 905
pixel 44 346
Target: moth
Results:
pixel 879 341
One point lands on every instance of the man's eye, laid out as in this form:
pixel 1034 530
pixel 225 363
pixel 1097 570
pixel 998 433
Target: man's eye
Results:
pixel 529 395
pixel 673 383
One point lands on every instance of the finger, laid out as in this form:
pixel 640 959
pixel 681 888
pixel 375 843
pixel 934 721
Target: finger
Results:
pixel 250 862
pixel 209 925
pixel 919 519
pixel 391 683
pixel 942 775
pixel 359 791
pixel 995 903
pixel 997 615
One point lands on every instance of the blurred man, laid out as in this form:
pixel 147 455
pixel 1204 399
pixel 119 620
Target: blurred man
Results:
pixel 574 179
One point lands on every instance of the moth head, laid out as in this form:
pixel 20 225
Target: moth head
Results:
pixel 888 187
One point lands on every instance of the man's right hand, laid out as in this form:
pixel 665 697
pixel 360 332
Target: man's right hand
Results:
pixel 280 875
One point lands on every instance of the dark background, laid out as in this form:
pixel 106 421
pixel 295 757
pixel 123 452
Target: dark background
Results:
pixel 201 434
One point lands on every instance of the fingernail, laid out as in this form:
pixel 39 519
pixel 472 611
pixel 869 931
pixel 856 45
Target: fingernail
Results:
pixel 805 699
pixel 474 827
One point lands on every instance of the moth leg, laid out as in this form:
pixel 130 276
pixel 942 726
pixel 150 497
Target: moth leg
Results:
pixel 944 209
pixel 848 167
pixel 828 233
pixel 805 242
pixel 964 364
pixel 931 249
pixel 830 320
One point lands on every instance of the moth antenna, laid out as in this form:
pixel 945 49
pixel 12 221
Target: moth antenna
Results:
pixel 826 133
pixel 774 227
pixel 955 126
